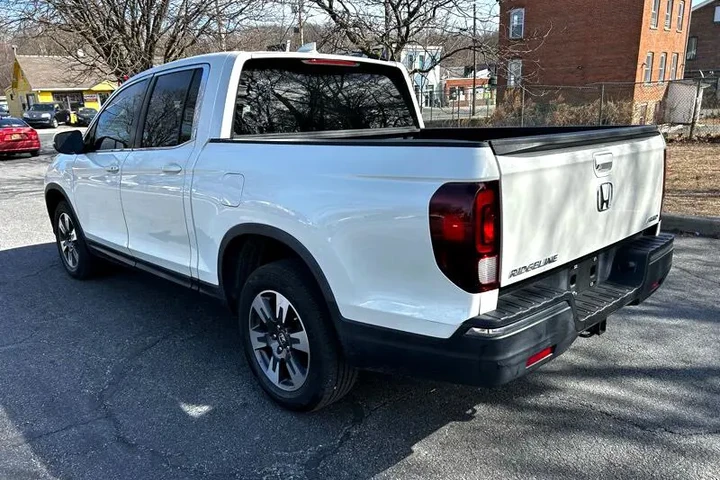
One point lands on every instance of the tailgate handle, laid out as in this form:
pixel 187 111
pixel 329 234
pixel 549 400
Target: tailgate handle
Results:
pixel 603 163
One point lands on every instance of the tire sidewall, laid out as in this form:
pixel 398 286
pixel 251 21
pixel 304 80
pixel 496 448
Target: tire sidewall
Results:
pixel 307 303
pixel 83 266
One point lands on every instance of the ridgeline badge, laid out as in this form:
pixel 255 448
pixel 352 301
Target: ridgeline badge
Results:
pixel 533 266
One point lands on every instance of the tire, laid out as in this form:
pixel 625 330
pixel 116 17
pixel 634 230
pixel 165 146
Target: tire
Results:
pixel 55 123
pixel 79 263
pixel 35 153
pixel 321 374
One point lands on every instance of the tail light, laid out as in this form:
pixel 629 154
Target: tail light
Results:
pixel 465 233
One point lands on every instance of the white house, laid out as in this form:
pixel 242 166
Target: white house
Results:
pixel 427 85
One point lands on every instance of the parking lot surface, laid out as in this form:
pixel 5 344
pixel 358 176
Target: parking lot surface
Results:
pixel 129 377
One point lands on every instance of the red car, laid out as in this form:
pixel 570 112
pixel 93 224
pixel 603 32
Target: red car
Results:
pixel 17 136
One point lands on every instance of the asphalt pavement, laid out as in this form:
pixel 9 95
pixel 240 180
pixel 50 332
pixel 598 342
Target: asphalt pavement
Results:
pixel 129 377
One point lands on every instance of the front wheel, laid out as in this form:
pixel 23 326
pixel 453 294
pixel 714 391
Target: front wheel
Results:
pixel 74 254
pixel 288 338
pixel 55 123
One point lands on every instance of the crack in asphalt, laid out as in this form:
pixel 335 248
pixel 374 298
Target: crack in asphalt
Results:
pixel 32 438
pixel 637 425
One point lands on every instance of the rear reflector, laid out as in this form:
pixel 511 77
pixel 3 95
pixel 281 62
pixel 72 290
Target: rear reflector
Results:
pixel 538 357
pixel 487 270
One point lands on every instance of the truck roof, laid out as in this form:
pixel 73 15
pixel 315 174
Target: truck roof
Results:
pixel 220 58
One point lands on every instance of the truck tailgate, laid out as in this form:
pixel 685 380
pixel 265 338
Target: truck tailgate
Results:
pixel 568 195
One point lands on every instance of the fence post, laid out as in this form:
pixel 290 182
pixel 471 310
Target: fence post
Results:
pixel 695 113
pixel 522 108
pixel 602 102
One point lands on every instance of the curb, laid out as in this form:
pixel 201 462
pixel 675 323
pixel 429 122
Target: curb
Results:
pixel 705 226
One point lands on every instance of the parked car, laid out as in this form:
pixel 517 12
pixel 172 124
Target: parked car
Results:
pixel 303 190
pixel 85 116
pixel 17 136
pixel 47 115
pixel 4 112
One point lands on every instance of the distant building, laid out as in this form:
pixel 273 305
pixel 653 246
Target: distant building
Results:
pixel 583 42
pixel 40 79
pixel 427 84
pixel 703 51
pixel 457 90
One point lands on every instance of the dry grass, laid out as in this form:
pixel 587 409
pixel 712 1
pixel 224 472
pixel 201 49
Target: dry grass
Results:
pixel 693 179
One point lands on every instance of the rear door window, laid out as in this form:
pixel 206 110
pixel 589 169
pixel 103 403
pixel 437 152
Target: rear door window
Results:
pixel 171 109
pixel 296 95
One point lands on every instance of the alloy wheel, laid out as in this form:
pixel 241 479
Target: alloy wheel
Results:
pixel 279 340
pixel 67 237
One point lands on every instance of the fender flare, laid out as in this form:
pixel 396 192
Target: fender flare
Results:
pixel 59 189
pixel 291 242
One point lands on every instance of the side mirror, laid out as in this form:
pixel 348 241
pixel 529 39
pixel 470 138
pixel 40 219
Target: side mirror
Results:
pixel 70 143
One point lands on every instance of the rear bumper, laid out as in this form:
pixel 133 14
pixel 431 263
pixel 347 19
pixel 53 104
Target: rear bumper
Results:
pixel 20 147
pixel 494 349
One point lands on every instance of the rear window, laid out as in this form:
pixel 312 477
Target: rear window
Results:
pixel 12 122
pixel 291 96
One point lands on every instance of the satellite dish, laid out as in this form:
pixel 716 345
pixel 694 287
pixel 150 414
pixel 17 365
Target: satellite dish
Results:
pixel 308 48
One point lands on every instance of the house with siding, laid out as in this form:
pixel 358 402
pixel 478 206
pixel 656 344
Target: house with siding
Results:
pixel 44 79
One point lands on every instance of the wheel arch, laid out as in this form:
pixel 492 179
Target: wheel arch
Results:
pixel 237 237
pixel 54 194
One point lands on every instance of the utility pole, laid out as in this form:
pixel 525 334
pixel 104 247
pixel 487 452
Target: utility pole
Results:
pixel 300 22
pixel 474 58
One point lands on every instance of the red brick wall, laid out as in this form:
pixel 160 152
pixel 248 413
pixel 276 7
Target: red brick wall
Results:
pixel 576 42
pixel 661 40
pixel 708 33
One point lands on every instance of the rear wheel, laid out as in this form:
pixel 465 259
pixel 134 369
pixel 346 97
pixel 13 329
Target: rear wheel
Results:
pixel 74 254
pixel 288 338
pixel 55 123
pixel 35 153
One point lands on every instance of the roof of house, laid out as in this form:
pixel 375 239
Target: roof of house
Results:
pixel 703 4
pixel 60 72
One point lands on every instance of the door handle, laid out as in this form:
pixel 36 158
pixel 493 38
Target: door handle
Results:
pixel 112 169
pixel 172 168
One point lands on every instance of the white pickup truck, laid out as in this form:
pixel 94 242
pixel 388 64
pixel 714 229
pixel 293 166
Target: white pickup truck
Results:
pixel 304 190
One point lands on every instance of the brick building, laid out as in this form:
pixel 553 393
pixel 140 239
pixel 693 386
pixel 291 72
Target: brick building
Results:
pixel 703 52
pixel 588 42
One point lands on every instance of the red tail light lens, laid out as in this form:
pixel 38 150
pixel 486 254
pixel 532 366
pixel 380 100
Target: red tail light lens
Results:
pixel 465 233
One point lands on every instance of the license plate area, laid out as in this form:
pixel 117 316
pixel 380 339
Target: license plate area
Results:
pixel 16 136
pixel 583 275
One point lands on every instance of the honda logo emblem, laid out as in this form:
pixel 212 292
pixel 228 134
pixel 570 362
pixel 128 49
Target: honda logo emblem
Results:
pixel 604 197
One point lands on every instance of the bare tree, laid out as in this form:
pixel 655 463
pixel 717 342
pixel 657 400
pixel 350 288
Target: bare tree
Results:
pixel 129 36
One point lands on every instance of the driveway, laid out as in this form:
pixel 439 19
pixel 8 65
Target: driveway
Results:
pixel 128 377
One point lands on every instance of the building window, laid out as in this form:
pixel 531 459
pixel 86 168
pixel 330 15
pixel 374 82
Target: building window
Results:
pixel 661 67
pixel 410 61
pixel 517 23
pixel 655 13
pixel 647 77
pixel 421 59
pixel 514 73
pixel 674 66
pixel 717 14
pixel 692 48
pixel 681 16
pixel 668 14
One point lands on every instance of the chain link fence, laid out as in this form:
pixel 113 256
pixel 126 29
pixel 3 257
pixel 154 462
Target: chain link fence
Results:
pixel 681 107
